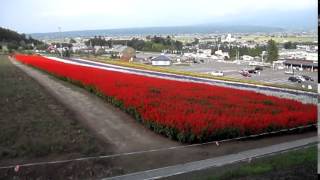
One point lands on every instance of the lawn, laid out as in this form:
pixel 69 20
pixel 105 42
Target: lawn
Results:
pixel 296 164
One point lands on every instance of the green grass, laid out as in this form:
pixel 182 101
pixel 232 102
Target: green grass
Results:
pixel 33 124
pixel 279 39
pixel 305 158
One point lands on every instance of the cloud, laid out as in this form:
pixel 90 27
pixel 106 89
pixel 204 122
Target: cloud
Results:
pixel 81 14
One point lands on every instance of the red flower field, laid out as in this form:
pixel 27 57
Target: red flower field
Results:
pixel 186 111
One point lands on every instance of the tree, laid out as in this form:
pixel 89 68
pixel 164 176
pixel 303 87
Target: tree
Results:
pixel 195 42
pixel 15 40
pixel 290 45
pixel 272 51
pixel 72 41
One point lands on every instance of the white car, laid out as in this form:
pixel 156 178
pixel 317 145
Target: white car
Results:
pixel 217 73
pixel 288 72
pixel 301 78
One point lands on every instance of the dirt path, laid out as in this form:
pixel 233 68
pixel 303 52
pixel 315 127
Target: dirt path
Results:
pixel 109 123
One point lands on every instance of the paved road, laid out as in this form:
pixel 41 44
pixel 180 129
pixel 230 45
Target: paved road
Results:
pixel 305 97
pixel 216 162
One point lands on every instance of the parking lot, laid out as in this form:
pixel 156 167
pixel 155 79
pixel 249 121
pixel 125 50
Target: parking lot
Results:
pixel 266 75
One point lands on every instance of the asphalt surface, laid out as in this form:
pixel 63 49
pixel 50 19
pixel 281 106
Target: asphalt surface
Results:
pixel 267 75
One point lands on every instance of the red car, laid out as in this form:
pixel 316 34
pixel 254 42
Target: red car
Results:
pixel 245 73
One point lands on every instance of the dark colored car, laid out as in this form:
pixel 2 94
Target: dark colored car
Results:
pixel 308 78
pixel 252 71
pixel 258 68
pixel 294 79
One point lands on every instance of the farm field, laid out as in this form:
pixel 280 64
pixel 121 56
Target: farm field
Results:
pixel 300 39
pixel 187 112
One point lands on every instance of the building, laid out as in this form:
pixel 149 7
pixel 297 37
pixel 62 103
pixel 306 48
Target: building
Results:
pixel 298 54
pixel 224 55
pixel 122 52
pixel 161 60
pixel 247 58
pixel 204 52
pixel 301 64
pixel 229 39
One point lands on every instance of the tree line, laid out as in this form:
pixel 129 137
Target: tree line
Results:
pixel 234 51
pixel 153 43
pixel 14 40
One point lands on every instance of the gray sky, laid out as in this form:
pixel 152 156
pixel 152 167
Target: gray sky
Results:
pixel 31 16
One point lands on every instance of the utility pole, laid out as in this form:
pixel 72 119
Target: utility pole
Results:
pixel 262 54
pixel 61 40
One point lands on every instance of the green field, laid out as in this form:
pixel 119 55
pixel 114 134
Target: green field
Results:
pixel 296 164
pixel 280 39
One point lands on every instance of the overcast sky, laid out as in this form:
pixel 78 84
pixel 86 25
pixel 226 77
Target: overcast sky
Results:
pixel 31 16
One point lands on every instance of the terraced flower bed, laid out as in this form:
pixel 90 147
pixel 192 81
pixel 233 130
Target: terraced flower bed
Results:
pixel 185 111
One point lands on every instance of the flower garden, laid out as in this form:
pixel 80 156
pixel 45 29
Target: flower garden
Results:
pixel 184 111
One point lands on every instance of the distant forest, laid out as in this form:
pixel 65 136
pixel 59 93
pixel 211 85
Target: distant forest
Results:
pixel 153 43
pixel 15 41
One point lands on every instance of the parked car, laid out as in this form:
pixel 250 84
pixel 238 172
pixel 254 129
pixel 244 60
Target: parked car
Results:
pixel 308 78
pixel 280 67
pixel 258 68
pixel 294 79
pixel 252 71
pixel 245 73
pixel 217 73
pixel 288 72
pixel 301 78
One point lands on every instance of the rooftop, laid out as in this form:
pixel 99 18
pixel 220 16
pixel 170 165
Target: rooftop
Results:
pixel 161 58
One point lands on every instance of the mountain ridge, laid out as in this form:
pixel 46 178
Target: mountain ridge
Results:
pixel 162 30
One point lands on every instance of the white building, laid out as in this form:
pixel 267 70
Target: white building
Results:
pixel 298 54
pixel 204 52
pixel 161 60
pixel 229 39
pixel 247 58
pixel 222 54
